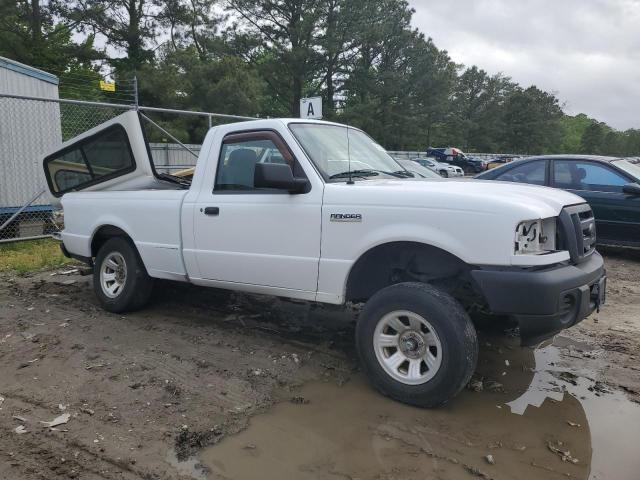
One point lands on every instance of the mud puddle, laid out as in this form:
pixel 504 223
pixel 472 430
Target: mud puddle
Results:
pixel 353 433
pixel 613 420
pixel 533 409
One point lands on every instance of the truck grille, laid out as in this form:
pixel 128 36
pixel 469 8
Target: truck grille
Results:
pixel 577 231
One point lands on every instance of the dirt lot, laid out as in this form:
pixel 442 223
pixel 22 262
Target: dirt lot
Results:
pixel 210 384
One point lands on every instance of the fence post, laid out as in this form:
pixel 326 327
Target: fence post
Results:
pixel 135 90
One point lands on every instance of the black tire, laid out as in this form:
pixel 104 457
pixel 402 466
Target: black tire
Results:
pixel 137 287
pixel 451 324
pixel 444 173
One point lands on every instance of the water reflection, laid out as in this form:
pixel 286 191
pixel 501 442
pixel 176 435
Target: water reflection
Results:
pixel 613 420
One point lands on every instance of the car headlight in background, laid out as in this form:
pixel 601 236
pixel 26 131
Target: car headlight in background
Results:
pixel 534 237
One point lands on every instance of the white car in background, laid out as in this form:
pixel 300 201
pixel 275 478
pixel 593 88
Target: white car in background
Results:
pixel 418 170
pixel 443 169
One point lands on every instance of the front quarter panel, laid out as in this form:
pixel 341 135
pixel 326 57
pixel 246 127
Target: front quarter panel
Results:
pixel 447 217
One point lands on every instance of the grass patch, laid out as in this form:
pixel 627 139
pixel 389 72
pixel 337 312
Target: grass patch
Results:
pixel 31 255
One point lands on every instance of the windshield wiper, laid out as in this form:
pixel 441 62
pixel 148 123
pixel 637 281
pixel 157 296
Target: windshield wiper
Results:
pixel 372 173
pixel 355 173
pixel 404 173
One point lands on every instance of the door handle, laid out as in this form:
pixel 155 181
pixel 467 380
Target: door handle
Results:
pixel 211 210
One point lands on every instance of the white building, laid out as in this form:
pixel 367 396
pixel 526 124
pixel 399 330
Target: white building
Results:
pixel 28 129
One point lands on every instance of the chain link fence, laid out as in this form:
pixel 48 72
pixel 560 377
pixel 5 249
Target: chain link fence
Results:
pixel 31 127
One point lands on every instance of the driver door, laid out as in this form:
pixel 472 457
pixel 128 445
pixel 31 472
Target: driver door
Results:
pixel 265 238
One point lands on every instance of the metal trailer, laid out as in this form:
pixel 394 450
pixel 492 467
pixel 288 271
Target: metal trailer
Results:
pixel 27 130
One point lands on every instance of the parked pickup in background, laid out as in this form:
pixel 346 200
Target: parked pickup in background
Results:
pixel 318 211
pixel 455 156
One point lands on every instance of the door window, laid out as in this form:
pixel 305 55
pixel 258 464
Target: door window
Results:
pixel 530 172
pixel 101 157
pixel 241 152
pixel 591 176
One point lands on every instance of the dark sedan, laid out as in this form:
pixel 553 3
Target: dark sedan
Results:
pixel 610 185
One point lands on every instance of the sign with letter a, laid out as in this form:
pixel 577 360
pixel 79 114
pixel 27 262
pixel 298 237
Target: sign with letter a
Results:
pixel 311 107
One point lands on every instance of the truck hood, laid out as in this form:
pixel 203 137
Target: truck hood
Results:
pixel 529 201
pixel 474 220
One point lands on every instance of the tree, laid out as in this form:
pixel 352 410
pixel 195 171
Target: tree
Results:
pixel 288 32
pixel 612 143
pixel 378 90
pixel 336 41
pixel 532 121
pixel 193 23
pixel 573 128
pixel 372 68
pixel 180 79
pixel 592 139
pixel 475 119
pixel 432 77
pixel 30 34
pixel 130 26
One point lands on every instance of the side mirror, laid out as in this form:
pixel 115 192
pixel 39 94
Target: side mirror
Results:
pixel 278 175
pixel 631 189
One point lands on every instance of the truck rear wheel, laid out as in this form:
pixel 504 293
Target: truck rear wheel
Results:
pixel 416 344
pixel 120 280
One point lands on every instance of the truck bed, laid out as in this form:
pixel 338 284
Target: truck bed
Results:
pixel 150 217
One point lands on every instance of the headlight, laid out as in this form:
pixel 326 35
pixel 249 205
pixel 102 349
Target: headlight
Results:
pixel 534 237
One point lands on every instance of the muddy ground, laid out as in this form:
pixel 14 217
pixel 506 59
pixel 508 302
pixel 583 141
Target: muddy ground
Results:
pixel 210 384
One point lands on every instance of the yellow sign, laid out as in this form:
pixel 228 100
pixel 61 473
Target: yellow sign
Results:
pixel 107 86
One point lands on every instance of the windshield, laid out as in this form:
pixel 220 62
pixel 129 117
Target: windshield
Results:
pixel 632 169
pixel 330 150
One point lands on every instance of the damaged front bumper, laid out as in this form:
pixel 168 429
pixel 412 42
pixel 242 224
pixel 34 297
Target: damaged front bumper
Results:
pixel 544 301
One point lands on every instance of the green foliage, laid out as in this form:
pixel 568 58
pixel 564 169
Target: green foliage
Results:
pixel 532 121
pixel 592 138
pixel 573 128
pixel 30 256
pixel 259 57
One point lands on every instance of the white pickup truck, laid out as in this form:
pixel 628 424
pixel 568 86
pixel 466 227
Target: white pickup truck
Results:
pixel 319 211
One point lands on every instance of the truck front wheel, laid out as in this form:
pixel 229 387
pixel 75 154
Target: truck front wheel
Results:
pixel 416 344
pixel 120 280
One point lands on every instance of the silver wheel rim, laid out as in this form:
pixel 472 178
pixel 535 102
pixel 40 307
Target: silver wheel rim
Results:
pixel 113 274
pixel 407 347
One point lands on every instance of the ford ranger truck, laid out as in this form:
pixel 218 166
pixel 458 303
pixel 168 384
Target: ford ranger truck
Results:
pixel 319 211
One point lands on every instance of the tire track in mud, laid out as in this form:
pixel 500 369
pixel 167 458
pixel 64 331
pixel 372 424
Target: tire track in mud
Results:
pixel 47 452
pixel 208 367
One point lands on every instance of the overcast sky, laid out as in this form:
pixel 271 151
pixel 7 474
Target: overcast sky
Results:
pixel 585 51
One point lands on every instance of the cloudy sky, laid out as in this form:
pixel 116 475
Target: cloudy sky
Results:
pixel 586 51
